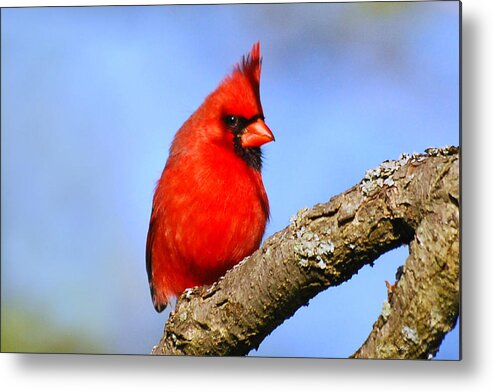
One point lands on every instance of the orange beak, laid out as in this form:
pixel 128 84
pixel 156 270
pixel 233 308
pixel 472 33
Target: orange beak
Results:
pixel 256 134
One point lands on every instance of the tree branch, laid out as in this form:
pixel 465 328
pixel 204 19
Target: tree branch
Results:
pixel 414 200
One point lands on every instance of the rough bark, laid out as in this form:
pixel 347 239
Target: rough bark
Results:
pixel 414 201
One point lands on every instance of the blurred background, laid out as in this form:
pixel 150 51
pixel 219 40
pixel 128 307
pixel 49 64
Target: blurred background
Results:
pixel 92 97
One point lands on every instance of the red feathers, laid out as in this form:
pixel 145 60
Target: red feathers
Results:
pixel 251 67
pixel 210 207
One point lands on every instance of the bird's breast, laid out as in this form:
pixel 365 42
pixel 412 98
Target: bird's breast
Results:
pixel 217 210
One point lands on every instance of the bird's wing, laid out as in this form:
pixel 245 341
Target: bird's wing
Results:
pixel 159 306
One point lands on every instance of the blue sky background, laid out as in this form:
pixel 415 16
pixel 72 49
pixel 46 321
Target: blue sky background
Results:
pixel 92 97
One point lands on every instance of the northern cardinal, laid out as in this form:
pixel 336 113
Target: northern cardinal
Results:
pixel 210 207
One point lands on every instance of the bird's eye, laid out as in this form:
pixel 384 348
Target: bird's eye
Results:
pixel 231 121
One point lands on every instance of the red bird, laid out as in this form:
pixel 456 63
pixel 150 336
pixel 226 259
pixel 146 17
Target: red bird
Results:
pixel 210 207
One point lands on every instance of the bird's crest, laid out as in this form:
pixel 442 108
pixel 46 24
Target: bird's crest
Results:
pixel 250 66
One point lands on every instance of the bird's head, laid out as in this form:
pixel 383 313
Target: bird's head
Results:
pixel 235 110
